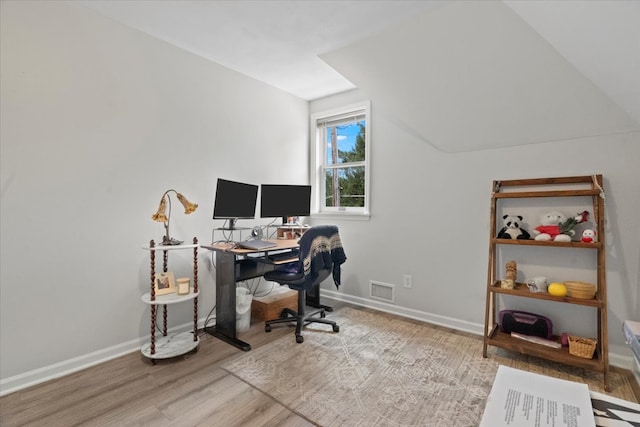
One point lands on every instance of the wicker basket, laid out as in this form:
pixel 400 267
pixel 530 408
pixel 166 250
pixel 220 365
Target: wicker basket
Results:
pixel 582 347
pixel 581 290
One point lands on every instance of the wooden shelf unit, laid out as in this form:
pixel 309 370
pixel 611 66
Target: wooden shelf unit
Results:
pixel 541 188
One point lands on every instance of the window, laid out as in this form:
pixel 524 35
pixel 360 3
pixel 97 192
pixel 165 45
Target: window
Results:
pixel 341 160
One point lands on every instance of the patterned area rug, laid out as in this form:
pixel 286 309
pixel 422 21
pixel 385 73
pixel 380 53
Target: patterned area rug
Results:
pixel 374 372
pixel 383 371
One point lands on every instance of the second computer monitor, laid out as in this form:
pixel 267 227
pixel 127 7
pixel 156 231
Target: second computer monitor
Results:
pixel 284 201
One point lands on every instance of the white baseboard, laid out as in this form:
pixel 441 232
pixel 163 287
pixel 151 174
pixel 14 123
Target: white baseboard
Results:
pixel 434 319
pixel 615 359
pixel 66 367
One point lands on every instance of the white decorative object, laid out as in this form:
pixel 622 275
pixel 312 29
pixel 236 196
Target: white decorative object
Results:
pixel 183 286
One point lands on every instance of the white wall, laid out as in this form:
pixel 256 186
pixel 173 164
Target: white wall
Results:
pixel 97 121
pixel 442 200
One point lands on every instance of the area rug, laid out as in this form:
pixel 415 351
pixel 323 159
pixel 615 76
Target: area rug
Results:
pixel 375 372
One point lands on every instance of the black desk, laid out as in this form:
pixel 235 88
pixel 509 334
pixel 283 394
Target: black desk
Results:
pixel 235 265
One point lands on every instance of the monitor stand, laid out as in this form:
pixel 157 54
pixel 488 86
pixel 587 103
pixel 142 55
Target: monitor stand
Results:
pixel 232 226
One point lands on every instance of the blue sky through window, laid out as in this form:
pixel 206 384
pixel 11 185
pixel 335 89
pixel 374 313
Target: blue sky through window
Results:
pixel 346 136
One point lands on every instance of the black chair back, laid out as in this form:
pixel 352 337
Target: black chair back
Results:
pixel 321 254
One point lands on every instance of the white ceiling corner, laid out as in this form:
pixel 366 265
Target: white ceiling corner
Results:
pixel 461 75
pixel 600 38
pixel 277 42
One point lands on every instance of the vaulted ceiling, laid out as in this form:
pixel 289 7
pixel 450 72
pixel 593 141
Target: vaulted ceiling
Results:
pixel 459 75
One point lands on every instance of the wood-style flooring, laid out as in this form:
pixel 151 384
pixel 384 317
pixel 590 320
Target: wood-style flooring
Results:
pixel 191 390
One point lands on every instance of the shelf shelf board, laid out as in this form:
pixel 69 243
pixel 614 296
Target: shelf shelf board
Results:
pixel 169 298
pixel 596 245
pixel 171 345
pixel 506 341
pixel 168 247
pixel 584 179
pixel 521 290
pixel 551 193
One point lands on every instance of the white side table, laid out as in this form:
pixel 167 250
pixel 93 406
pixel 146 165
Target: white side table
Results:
pixel 170 345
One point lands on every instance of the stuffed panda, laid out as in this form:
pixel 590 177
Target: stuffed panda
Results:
pixel 511 229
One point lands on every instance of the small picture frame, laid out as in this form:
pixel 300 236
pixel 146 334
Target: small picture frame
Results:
pixel 165 283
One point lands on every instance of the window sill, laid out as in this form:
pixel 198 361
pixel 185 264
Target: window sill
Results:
pixel 351 216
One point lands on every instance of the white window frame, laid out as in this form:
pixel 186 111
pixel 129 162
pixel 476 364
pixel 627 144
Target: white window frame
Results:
pixel 318 150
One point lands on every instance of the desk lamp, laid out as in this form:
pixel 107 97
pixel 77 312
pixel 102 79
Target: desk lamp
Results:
pixel 162 216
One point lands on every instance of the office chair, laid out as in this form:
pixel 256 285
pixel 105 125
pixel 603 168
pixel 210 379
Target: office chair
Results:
pixel 321 254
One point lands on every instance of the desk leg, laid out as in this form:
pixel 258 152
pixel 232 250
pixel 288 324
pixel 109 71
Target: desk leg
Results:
pixel 225 327
pixel 313 299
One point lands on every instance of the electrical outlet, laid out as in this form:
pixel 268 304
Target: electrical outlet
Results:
pixel 407 281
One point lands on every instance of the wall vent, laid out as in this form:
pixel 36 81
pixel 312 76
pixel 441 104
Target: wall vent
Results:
pixel 382 291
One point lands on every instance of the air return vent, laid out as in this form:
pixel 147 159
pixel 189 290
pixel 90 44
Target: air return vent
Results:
pixel 382 291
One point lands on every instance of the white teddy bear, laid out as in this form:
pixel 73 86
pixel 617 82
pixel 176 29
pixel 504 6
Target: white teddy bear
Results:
pixel 549 228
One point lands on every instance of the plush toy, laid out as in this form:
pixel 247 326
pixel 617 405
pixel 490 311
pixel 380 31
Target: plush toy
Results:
pixel 511 229
pixel 588 236
pixel 549 228
pixel 555 226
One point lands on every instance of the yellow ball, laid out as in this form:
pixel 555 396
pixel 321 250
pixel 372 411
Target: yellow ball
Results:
pixel 557 289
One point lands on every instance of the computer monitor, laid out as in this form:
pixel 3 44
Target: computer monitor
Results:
pixel 235 200
pixel 284 201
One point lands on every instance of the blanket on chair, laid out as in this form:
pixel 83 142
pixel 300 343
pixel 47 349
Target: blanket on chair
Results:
pixel 323 249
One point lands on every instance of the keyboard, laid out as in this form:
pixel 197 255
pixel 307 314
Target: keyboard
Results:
pixel 256 244
pixel 284 256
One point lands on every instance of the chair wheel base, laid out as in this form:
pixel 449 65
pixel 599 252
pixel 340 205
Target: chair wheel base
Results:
pixel 299 339
pixel 336 328
pixel 267 328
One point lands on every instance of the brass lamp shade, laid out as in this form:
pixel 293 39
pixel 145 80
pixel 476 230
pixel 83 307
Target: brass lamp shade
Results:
pixel 161 215
pixel 188 206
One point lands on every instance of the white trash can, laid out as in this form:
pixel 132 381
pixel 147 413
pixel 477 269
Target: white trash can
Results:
pixel 243 308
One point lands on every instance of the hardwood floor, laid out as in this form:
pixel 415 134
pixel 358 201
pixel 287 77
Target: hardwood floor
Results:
pixel 192 390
